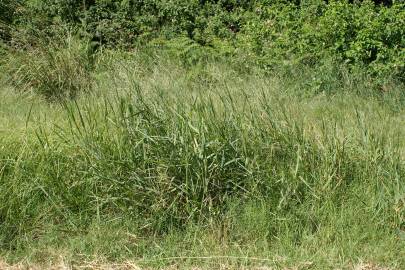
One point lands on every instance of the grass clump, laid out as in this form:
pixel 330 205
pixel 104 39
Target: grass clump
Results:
pixel 54 70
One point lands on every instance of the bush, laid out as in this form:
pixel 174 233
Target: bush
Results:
pixel 273 33
pixel 7 13
pixel 362 35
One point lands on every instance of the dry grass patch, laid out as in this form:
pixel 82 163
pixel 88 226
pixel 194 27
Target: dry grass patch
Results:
pixel 370 266
pixel 96 265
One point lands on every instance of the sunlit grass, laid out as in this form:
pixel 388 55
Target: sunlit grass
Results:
pixel 164 161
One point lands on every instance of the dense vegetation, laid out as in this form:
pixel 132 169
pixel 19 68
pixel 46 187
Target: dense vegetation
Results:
pixel 362 34
pixel 203 133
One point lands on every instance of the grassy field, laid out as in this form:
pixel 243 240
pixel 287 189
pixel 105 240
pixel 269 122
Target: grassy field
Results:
pixel 209 166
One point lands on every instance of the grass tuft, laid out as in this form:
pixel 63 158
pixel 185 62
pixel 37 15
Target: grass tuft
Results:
pixel 56 70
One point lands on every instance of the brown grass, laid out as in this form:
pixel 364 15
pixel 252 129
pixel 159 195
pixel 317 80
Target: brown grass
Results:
pixel 95 265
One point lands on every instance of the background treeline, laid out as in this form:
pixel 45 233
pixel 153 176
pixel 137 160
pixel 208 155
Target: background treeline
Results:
pixel 365 34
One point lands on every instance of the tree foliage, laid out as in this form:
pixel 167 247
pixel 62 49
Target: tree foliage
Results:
pixel 361 33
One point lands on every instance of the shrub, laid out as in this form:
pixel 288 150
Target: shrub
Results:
pixel 7 13
pixel 366 34
pixel 362 35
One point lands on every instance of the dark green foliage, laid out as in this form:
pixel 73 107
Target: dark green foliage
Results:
pixel 364 34
pixel 8 10
pixel 360 35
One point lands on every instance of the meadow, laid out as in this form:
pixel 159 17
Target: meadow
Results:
pixel 162 164
pixel 202 134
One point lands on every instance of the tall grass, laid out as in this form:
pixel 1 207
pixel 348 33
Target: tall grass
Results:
pixel 56 69
pixel 240 160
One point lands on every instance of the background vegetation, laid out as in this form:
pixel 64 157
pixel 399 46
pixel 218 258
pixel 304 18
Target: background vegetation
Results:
pixel 224 133
pixel 365 34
